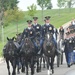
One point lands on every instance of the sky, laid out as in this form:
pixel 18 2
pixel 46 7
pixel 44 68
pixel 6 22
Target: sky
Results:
pixel 23 4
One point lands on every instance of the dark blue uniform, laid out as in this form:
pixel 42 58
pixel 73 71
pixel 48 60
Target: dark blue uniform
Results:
pixel 37 28
pixel 47 28
pixel 28 33
pixel 38 33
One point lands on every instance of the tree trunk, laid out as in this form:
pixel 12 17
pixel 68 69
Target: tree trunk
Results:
pixel 59 12
pixel 42 10
pixel 42 14
pixel 17 27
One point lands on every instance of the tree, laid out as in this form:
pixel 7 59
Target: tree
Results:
pixel 14 15
pixel 1 25
pixel 60 3
pixel 44 3
pixel 49 6
pixel 70 3
pixel 31 10
pixel 8 4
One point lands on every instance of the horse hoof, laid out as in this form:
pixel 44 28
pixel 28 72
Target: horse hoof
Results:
pixel 23 71
pixel 38 70
pixel 69 66
pixel 52 71
pixel 18 72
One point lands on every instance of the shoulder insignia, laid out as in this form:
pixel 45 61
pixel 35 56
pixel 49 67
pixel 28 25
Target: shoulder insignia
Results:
pixel 37 27
pixel 50 28
pixel 30 32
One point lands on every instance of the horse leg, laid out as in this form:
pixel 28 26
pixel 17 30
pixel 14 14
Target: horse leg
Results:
pixel 26 68
pixel 14 67
pixel 62 58
pixel 43 62
pixel 8 67
pixel 40 62
pixel 58 60
pixel 37 64
pixel 32 66
pixel 52 64
pixel 18 66
pixel 48 66
pixel 23 65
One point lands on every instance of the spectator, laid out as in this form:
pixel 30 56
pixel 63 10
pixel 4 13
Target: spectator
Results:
pixel 73 21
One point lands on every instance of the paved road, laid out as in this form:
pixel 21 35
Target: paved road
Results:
pixel 62 70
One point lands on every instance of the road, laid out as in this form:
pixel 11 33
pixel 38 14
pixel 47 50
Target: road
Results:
pixel 62 70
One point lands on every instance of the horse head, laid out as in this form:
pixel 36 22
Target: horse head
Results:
pixel 28 46
pixel 10 47
pixel 49 46
pixel 48 38
pixel 18 37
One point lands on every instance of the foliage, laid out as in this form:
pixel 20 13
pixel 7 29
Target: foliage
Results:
pixel 65 3
pixel 31 10
pixel 60 3
pixel 8 4
pixel 13 15
pixel 69 3
pixel 44 4
pixel 49 6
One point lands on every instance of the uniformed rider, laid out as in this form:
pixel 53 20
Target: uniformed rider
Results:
pixel 28 32
pixel 47 27
pixel 38 30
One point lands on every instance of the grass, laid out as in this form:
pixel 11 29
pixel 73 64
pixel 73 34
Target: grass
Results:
pixel 1 47
pixel 58 18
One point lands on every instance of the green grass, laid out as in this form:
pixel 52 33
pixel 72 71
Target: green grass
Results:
pixel 1 47
pixel 58 18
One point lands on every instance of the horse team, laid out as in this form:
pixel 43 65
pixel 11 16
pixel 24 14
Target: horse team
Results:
pixel 35 44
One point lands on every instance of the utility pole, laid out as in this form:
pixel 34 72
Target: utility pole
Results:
pixel 42 9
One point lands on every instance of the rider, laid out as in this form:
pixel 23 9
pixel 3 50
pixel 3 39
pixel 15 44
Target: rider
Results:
pixel 47 27
pixel 38 30
pixel 28 32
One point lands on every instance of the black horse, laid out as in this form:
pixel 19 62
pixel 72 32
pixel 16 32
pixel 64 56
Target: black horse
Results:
pixel 49 51
pixel 38 54
pixel 20 62
pixel 27 52
pixel 10 55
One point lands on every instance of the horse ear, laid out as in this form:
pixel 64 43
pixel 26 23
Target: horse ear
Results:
pixel 16 34
pixel 13 38
pixel 7 38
